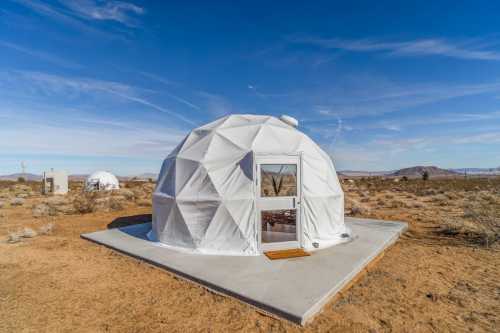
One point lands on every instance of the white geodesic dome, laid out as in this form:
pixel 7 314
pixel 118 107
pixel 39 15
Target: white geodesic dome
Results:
pixel 101 181
pixel 205 198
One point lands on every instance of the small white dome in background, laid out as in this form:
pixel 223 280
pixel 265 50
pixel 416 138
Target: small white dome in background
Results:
pixel 101 181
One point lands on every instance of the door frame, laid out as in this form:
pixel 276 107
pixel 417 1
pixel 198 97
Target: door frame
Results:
pixel 278 159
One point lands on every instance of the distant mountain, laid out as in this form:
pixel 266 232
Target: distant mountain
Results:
pixel 478 171
pixel 417 171
pixel 26 176
pixel 147 175
pixel 77 177
pixel 353 173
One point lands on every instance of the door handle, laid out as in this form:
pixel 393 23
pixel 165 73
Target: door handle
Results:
pixel 293 202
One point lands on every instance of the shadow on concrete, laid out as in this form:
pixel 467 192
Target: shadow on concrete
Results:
pixel 125 221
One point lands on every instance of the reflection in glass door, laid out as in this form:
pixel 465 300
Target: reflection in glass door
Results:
pixel 279 225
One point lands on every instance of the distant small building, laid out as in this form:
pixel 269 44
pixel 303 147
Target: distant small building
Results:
pixel 55 182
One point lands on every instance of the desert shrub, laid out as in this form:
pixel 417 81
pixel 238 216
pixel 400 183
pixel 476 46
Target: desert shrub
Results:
pixel 84 203
pixel 28 233
pixel 417 205
pixel 16 236
pixel 21 180
pixel 40 210
pixel 125 193
pixel 488 198
pixel 13 237
pixel 451 196
pixel 425 175
pixel 429 192
pixel 115 204
pixel 397 204
pixel 358 210
pixel 46 229
pixel 353 207
pixel 144 203
pixel 439 198
pixel 469 214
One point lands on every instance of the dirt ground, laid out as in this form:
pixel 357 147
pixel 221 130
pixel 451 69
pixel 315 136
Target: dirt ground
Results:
pixel 442 276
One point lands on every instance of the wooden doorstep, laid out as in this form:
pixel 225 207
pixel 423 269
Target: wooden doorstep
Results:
pixel 284 254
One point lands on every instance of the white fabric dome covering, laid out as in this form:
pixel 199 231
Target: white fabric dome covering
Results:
pixel 101 181
pixel 207 196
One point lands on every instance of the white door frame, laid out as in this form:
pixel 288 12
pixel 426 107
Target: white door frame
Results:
pixel 267 202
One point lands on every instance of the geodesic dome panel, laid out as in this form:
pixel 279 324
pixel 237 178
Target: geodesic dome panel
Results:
pixel 205 196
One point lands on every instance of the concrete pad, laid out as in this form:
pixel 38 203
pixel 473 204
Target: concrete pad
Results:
pixel 294 289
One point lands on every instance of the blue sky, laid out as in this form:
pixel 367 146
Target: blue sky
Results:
pixel 113 85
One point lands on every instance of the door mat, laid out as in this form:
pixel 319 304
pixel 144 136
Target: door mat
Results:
pixel 284 254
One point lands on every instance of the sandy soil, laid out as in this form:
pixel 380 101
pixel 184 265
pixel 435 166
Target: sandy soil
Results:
pixel 61 283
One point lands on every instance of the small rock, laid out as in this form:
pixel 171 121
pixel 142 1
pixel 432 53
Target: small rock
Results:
pixel 432 297
pixel 17 202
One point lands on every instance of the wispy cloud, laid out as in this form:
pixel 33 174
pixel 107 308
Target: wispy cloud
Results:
pixel 53 13
pixel 168 82
pixel 49 84
pixel 78 15
pixel 482 138
pixel 123 12
pixel 89 140
pixel 40 55
pixel 363 95
pixel 158 78
pixel 469 49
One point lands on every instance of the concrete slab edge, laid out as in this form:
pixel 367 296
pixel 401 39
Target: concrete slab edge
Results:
pixel 261 307
pixel 316 308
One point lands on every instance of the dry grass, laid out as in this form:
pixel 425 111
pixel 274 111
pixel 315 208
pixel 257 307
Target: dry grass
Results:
pixel 459 210
pixel 440 276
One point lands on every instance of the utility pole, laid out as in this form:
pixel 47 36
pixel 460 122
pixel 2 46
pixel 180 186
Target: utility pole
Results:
pixel 23 168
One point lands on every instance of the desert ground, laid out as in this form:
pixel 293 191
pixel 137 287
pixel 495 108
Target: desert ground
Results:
pixel 443 275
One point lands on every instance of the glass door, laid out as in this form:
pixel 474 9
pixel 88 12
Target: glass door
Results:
pixel 278 201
